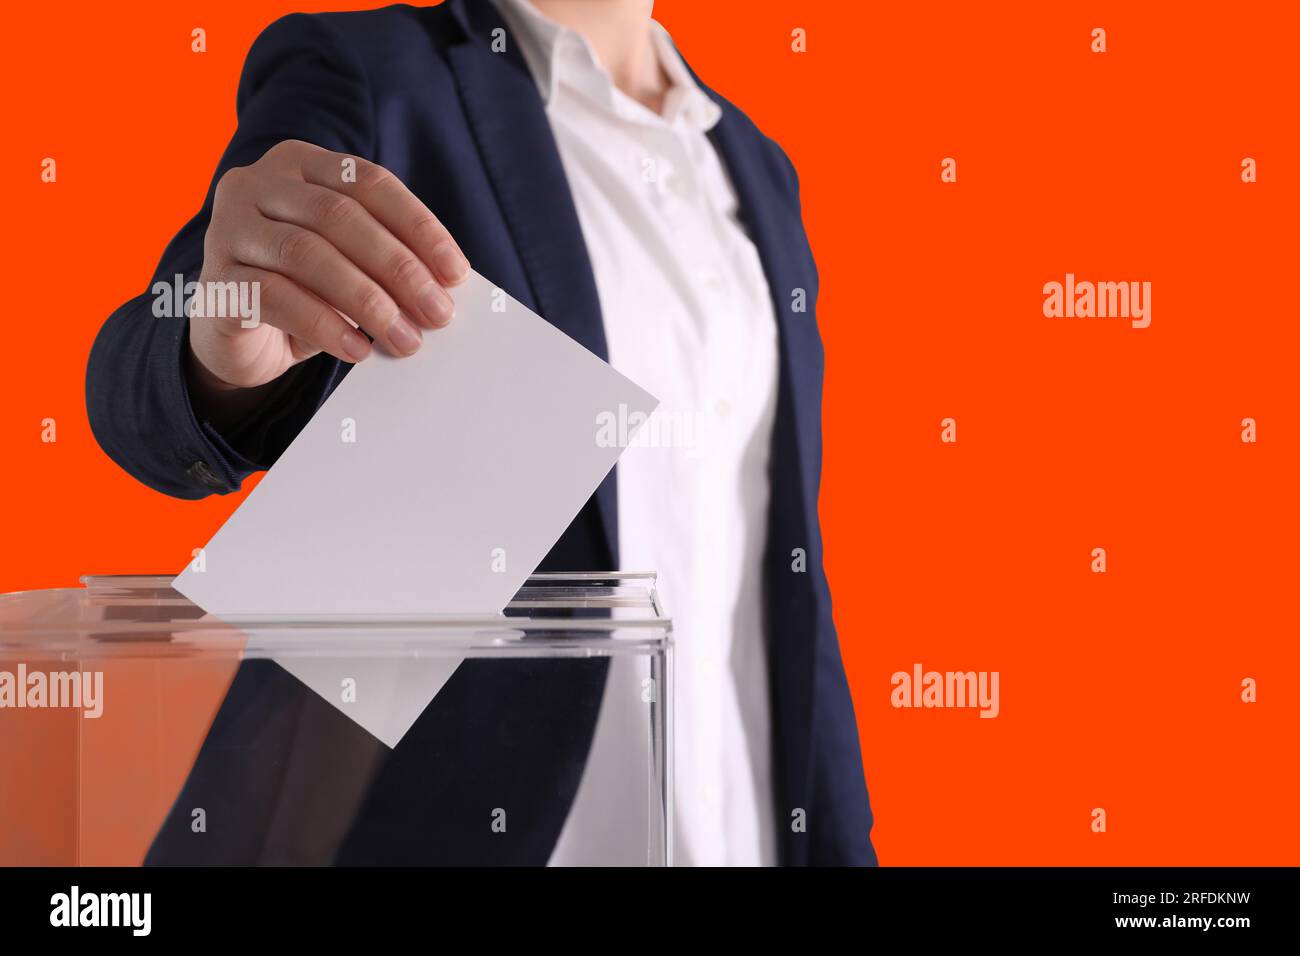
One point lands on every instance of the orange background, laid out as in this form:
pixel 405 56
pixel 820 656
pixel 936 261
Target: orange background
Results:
pixel 1119 690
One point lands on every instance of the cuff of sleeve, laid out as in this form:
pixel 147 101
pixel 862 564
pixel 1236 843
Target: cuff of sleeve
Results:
pixel 221 461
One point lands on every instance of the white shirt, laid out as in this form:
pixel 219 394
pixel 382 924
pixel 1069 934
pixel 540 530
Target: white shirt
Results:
pixel 689 317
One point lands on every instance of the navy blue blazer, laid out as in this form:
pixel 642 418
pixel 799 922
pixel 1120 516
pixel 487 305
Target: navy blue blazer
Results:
pixel 419 91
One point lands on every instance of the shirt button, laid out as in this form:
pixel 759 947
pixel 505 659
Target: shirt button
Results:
pixel 723 408
pixel 713 282
pixel 673 183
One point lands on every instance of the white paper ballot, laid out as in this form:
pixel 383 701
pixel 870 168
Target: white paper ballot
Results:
pixel 427 485
pixel 390 694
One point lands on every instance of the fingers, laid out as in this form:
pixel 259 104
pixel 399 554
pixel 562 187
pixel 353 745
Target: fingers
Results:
pixel 343 231
pixel 394 206
pixel 354 232
pixel 311 324
pixel 318 267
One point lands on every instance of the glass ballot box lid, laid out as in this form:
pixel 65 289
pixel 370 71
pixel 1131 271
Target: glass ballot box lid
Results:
pixel 136 729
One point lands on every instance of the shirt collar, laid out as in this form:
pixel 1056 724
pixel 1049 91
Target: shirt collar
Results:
pixel 554 54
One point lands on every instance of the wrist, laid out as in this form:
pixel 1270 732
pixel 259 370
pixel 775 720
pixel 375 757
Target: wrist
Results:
pixel 215 400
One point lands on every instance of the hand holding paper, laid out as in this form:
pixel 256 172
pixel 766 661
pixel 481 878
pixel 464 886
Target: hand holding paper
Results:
pixel 315 235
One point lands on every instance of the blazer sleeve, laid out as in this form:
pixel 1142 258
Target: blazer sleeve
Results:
pixel 841 808
pixel 840 818
pixel 298 82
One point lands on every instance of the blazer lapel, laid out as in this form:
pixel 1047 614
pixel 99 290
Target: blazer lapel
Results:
pixel 514 138
pixel 790 600
pixel 773 230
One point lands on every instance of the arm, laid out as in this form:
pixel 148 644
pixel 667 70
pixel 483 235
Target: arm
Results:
pixel 190 406
pixel 840 819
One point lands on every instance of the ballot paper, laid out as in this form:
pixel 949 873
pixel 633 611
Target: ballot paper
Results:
pixel 424 486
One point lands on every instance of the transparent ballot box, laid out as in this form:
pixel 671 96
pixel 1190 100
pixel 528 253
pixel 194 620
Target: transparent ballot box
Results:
pixel 135 729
